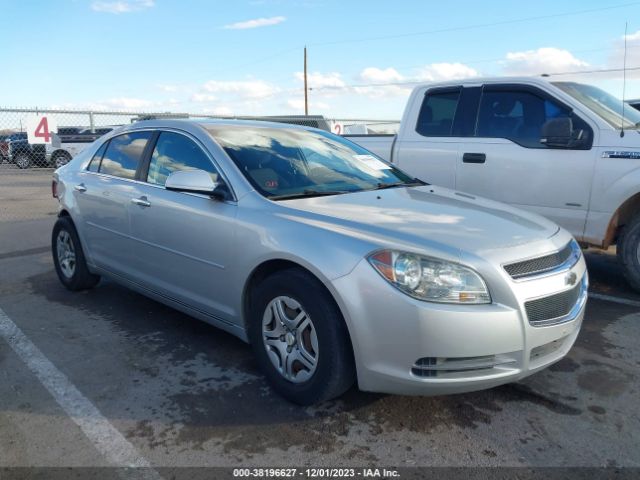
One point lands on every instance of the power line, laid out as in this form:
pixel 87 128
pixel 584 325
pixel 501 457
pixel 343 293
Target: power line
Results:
pixel 475 26
pixel 417 82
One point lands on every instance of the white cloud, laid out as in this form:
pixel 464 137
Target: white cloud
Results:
pixel 250 89
pixel 321 80
pixel 542 60
pixel 129 103
pixel 378 75
pixel 121 6
pixel 203 97
pixel 255 23
pixel 167 87
pixel 436 72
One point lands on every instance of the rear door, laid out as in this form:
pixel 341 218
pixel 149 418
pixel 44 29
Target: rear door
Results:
pixel 505 160
pixel 103 196
pixel 430 149
pixel 183 242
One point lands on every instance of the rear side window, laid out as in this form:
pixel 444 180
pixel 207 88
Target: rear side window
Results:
pixel 94 165
pixel 123 154
pixel 174 152
pixel 437 113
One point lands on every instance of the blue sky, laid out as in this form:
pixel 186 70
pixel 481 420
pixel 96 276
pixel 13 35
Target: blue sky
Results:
pixel 245 56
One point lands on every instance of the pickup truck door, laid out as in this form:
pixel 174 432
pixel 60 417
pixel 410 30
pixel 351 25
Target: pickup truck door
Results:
pixel 505 160
pixel 429 147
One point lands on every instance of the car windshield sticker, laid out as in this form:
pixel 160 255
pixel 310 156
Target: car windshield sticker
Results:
pixel 372 162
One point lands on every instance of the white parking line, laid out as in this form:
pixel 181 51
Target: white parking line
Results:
pixel 610 298
pixel 104 436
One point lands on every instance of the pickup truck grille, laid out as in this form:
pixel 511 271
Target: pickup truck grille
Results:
pixel 556 308
pixel 537 266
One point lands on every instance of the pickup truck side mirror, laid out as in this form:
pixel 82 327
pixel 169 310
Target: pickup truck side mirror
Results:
pixel 196 181
pixel 558 133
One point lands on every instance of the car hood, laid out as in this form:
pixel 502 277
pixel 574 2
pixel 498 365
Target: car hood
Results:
pixel 418 216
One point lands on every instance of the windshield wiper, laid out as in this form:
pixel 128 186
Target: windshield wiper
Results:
pixel 413 183
pixel 308 193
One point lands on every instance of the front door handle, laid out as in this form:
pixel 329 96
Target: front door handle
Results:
pixel 474 158
pixel 142 202
pixel 80 188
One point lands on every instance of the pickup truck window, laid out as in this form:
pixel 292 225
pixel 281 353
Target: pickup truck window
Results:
pixel 437 113
pixel 518 116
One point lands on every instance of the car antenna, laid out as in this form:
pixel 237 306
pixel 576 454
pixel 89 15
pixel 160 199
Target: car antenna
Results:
pixel 624 78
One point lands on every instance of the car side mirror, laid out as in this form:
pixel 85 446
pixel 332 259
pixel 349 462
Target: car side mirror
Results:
pixel 557 133
pixel 196 181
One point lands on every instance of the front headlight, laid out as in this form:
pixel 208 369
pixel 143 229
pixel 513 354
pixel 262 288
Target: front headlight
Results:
pixel 430 279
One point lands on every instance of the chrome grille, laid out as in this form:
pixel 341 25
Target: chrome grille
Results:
pixel 554 308
pixel 539 265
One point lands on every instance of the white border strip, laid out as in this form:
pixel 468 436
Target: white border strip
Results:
pixel 102 434
pixel 610 298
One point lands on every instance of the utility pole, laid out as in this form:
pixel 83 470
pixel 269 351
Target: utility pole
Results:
pixel 306 94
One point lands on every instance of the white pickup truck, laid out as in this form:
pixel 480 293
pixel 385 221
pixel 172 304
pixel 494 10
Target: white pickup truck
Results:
pixel 561 149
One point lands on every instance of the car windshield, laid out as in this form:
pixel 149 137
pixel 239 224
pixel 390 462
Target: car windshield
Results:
pixel 286 162
pixel 603 104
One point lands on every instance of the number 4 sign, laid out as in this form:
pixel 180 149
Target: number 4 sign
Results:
pixel 40 130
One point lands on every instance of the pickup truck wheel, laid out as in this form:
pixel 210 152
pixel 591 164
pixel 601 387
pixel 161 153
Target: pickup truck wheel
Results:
pixel 629 252
pixel 23 160
pixel 61 159
pixel 299 338
pixel 68 257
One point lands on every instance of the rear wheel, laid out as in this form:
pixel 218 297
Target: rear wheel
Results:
pixel 60 159
pixel 629 252
pixel 23 160
pixel 68 257
pixel 300 339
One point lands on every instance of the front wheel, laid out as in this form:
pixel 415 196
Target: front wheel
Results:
pixel 629 252
pixel 68 257
pixel 300 339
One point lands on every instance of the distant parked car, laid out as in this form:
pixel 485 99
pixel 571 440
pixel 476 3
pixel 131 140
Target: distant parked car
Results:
pixel 22 153
pixel 332 263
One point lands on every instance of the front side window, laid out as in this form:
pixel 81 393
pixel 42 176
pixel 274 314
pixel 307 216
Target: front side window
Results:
pixel 174 152
pixel 123 154
pixel 438 113
pixel 285 162
pixel 518 116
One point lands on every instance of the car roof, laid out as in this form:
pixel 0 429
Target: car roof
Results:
pixel 530 80
pixel 208 123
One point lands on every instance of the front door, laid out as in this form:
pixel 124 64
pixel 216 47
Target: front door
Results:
pixel 505 160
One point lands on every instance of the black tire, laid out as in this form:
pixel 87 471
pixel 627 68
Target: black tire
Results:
pixel 629 251
pixel 22 160
pixel 81 278
pixel 335 369
pixel 60 159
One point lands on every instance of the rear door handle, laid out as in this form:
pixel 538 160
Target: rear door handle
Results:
pixel 80 188
pixel 474 158
pixel 142 202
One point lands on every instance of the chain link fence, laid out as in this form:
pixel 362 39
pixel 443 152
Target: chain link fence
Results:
pixel 26 166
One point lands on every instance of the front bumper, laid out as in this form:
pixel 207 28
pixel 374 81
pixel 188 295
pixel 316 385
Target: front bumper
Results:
pixel 407 346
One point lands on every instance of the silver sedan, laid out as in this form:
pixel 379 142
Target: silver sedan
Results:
pixel 336 266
